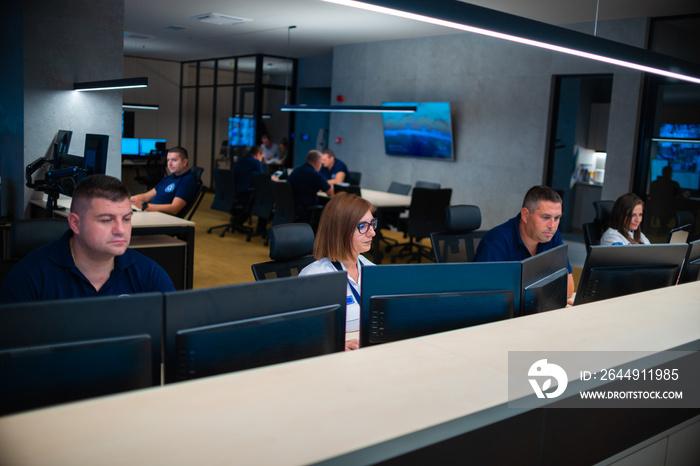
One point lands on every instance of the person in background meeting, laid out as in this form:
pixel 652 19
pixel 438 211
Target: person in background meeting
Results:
pixel 306 182
pixel 532 231
pixel 272 151
pixel 625 218
pixel 244 171
pixel 175 191
pixel 345 231
pixel 284 150
pixel 334 170
pixel 92 258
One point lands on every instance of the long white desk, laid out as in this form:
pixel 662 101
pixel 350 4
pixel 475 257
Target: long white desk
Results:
pixel 355 407
pixel 142 223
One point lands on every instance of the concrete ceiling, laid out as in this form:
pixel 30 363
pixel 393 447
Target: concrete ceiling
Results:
pixel 152 27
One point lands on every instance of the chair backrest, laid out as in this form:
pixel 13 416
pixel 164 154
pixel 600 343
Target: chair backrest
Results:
pixel 602 211
pixel 263 200
pixel 188 212
pixel 352 189
pixel 27 235
pixel 197 173
pixel 427 184
pixel 456 243
pixel 684 217
pixel 427 213
pixel 399 188
pixel 592 232
pixel 291 246
pixel 354 178
pixel 284 203
pixel 224 191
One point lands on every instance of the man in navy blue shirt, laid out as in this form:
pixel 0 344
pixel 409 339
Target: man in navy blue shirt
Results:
pixel 175 191
pixel 306 182
pixel 92 258
pixel 533 230
pixel 244 171
pixel 333 170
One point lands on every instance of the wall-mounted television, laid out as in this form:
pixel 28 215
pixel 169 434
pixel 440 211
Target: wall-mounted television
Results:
pixel 241 131
pixel 427 132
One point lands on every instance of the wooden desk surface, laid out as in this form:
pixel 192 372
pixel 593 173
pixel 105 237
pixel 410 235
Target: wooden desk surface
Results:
pixel 315 409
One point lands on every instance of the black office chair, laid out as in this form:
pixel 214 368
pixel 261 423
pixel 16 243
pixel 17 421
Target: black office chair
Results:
pixel 188 212
pixel 426 215
pixel 27 235
pixel 291 248
pixel 197 173
pixel 354 178
pixel 225 200
pixel 352 189
pixel 390 218
pixel 602 212
pixel 427 184
pixel 155 170
pixel 285 211
pixel 592 233
pixel 263 204
pixel 456 243
pixel 685 217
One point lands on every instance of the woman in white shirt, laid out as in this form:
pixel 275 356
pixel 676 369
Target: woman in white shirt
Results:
pixel 345 231
pixel 625 218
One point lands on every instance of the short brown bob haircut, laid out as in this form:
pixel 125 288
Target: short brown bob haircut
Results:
pixel 337 226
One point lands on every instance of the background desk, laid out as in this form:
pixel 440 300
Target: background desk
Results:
pixel 142 223
pixel 415 396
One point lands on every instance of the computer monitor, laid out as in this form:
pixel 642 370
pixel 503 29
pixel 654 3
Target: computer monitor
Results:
pixel 679 234
pixel 406 301
pixel 691 267
pixel 130 146
pixel 147 145
pixel 223 329
pixel 545 281
pixel 59 351
pixel 95 160
pixel 60 148
pixel 612 271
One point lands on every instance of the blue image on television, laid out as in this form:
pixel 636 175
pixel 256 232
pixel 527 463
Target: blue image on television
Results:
pixel 130 146
pixel 427 132
pixel 241 131
pixel 147 145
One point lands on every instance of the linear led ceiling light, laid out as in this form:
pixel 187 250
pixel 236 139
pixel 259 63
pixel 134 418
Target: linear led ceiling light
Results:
pixel 140 106
pixel 348 108
pixel 126 83
pixel 480 20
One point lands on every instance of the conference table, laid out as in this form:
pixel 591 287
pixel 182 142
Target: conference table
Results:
pixel 142 223
pixel 443 391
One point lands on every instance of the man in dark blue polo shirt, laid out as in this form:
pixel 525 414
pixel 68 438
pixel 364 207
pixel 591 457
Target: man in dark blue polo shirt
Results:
pixel 175 191
pixel 532 231
pixel 306 181
pixel 244 171
pixel 92 258
pixel 333 170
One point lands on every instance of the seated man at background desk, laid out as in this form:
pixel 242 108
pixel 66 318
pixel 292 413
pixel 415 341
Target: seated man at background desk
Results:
pixel 334 170
pixel 92 258
pixel 174 191
pixel 533 230
pixel 306 181
pixel 244 171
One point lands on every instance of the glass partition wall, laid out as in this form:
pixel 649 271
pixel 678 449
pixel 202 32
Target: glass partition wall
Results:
pixel 227 104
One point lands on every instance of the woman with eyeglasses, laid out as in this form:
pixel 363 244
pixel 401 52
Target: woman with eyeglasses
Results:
pixel 345 231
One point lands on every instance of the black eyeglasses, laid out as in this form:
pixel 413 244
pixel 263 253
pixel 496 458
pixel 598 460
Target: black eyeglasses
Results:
pixel 363 227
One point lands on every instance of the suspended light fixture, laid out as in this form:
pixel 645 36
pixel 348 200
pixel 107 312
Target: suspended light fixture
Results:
pixel 348 108
pixel 111 84
pixel 493 23
pixel 141 106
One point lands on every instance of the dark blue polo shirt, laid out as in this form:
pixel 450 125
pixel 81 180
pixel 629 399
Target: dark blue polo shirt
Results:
pixel 49 272
pixel 183 186
pixel 244 171
pixel 338 166
pixel 504 243
pixel 306 182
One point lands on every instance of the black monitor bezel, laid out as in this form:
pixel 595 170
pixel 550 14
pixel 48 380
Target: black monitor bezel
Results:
pixel 692 259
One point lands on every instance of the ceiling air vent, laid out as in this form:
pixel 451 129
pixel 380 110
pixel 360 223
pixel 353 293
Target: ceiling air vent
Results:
pixel 218 18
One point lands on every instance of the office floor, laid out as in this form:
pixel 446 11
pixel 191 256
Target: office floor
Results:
pixel 224 261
